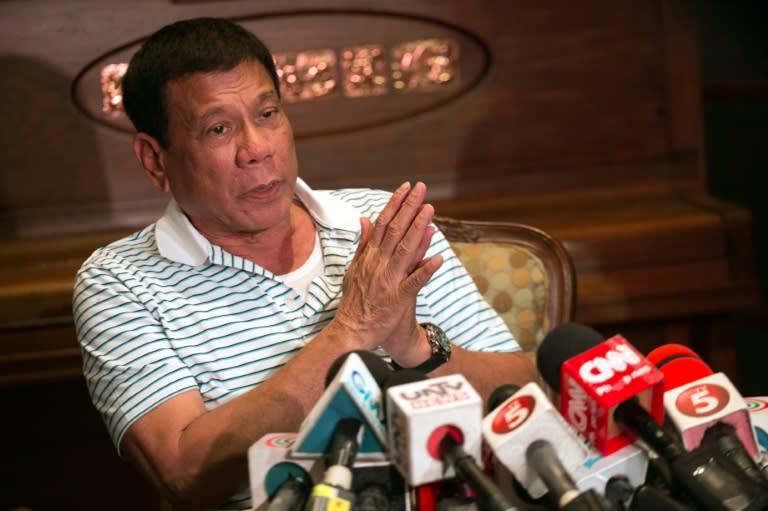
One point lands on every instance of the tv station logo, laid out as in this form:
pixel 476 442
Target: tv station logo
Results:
pixel 702 400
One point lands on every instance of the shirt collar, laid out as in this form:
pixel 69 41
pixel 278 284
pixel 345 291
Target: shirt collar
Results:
pixel 178 240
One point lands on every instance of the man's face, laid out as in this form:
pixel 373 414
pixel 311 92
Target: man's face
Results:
pixel 231 162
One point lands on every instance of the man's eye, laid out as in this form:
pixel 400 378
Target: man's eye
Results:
pixel 218 129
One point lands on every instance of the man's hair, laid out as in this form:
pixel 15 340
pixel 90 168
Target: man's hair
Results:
pixel 179 49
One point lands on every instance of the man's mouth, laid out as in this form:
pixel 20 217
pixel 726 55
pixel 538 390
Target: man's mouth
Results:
pixel 265 191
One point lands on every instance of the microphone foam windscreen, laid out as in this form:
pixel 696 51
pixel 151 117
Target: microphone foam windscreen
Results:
pixel 666 352
pixel 680 364
pixel 500 394
pixel 560 344
pixel 374 363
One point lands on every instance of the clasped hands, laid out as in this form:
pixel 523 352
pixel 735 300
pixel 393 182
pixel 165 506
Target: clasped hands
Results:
pixel 378 306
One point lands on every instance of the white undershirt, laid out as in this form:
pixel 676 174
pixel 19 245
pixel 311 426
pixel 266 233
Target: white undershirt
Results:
pixel 300 278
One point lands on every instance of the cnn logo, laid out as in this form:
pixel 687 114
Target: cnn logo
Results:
pixel 603 368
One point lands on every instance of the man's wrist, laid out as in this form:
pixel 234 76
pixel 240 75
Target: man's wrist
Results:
pixel 419 351
pixel 438 350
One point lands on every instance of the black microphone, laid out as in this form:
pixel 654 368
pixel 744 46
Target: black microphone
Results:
pixel 541 457
pixel 276 475
pixel 594 375
pixel 372 497
pixel 705 474
pixel 489 495
pixel 724 436
pixel 291 495
pixel 646 497
pixel 499 395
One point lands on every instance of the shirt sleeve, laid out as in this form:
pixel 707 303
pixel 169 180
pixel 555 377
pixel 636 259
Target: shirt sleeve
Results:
pixel 128 363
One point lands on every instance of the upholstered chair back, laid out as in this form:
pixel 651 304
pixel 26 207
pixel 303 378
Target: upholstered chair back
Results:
pixel 524 273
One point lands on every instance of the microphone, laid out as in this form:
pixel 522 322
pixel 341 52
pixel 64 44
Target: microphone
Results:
pixel 416 409
pixel 696 407
pixel 758 411
pixel 627 497
pixel 335 490
pixel 712 480
pixel 630 462
pixel 705 412
pixel 541 457
pixel 594 376
pixel 432 427
pixel 272 463
pixel 372 497
pixel 291 495
pixel 276 476
pixel 499 395
pixel 521 419
pixel 707 476
pixel 679 363
pixel 352 391
pixel 724 436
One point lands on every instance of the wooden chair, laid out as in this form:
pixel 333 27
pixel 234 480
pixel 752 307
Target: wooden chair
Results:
pixel 524 273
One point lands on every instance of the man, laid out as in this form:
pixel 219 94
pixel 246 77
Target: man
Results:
pixel 217 324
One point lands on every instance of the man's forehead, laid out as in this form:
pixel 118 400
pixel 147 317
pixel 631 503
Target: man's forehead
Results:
pixel 197 93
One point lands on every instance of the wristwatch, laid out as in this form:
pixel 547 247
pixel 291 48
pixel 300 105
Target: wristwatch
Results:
pixel 441 349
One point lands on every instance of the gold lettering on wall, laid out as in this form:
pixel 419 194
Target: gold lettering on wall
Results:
pixel 111 88
pixel 306 75
pixel 364 71
pixel 424 65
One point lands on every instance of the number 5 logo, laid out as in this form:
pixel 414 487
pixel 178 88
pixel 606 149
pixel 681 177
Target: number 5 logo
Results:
pixel 702 400
pixel 513 414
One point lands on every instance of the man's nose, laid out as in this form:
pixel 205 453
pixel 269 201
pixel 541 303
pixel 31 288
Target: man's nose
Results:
pixel 254 145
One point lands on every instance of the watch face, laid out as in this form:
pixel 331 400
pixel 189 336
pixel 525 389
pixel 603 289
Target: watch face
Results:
pixel 439 341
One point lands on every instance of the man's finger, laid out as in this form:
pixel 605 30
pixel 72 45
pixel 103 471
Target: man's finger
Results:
pixel 388 213
pixel 399 226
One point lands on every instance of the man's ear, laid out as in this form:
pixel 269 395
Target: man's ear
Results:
pixel 149 154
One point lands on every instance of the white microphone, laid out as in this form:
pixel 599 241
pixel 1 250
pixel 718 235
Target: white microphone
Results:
pixel 523 418
pixel 352 393
pixel 433 434
pixel 696 407
pixel 417 412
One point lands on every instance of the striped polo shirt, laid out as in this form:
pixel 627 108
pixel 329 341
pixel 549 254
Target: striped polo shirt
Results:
pixel 164 310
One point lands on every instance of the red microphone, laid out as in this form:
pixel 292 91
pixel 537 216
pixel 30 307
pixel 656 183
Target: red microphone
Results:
pixel 596 376
pixel 679 363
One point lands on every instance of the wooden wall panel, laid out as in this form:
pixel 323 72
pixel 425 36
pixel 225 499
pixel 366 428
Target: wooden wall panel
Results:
pixel 574 96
